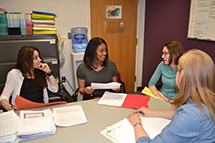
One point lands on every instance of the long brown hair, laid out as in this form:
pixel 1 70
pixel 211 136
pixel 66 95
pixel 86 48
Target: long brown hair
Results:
pixel 198 81
pixel 25 64
pixel 174 48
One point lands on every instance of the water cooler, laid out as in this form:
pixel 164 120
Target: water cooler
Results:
pixel 79 39
pixel 79 44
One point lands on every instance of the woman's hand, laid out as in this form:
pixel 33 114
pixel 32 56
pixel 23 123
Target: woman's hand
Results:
pixel 89 90
pixel 147 112
pixel 44 67
pixel 133 118
pixel 6 105
pixel 14 106
pixel 117 89
pixel 164 98
pixel 11 107
pixel 170 101
pixel 135 121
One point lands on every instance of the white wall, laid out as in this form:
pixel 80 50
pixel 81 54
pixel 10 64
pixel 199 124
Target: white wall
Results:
pixel 70 13
pixel 75 13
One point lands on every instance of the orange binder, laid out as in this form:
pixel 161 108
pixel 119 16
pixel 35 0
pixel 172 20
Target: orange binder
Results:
pixel 23 103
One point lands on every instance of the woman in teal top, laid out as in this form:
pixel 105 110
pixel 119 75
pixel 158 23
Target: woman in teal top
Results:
pixel 167 70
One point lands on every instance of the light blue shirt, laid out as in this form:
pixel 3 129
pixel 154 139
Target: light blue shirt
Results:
pixel 167 75
pixel 189 125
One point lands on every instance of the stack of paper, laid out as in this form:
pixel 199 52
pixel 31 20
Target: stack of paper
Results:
pixel 8 126
pixel 69 116
pixel 111 85
pixel 123 131
pixel 124 100
pixel 33 124
pixel 112 99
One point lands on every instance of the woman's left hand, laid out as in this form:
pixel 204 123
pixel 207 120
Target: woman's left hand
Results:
pixel 170 101
pixel 117 89
pixel 133 118
pixel 44 67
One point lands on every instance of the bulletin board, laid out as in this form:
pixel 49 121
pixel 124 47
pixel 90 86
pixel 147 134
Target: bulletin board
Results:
pixel 202 20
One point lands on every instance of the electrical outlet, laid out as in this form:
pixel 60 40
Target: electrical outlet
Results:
pixel 63 78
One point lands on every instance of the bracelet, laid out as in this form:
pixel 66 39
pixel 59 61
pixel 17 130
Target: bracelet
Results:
pixel 50 73
pixel 137 124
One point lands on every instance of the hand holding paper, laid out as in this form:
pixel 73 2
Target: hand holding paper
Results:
pixel 111 85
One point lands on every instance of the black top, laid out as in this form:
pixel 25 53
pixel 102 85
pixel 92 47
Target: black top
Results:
pixel 31 91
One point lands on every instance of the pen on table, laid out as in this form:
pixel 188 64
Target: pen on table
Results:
pixel 139 111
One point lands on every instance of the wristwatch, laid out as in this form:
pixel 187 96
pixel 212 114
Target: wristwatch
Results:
pixel 137 124
pixel 50 73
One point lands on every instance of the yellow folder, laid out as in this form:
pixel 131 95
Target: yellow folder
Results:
pixel 148 92
pixel 43 16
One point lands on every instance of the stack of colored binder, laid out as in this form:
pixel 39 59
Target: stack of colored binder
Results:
pixel 28 23
pixel 2 10
pixel 3 24
pixel 16 23
pixel 43 22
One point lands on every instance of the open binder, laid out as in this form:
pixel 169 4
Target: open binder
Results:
pixel 124 100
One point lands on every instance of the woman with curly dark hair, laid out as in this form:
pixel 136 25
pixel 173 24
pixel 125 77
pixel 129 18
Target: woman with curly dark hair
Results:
pixel 30 79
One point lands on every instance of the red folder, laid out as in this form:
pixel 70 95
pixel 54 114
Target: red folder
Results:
pixel 23 103
pixel 133 101
pixel 136 101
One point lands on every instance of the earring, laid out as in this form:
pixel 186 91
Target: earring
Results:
pixel 179 80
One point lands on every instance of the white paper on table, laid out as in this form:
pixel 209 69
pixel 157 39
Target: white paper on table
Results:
pixel 10 138
pixel 8 125
pixel 154 125
pixel 123 131
pixel 31 122
pixel 111 85
pixel 112 99
pixel 69 116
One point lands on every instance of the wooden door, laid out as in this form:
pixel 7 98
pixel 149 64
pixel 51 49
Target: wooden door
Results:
pixel 120 35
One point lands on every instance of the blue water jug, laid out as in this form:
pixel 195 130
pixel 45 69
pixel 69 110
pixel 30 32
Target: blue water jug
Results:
pixel 79 39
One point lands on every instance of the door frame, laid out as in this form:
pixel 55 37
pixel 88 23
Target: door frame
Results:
pixel 140 44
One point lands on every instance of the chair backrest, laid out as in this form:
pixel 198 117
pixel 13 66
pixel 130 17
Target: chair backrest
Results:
pixel 1 108
pixel 123 89
pixel 2 89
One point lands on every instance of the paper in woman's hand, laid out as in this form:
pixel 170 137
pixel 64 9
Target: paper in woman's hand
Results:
pixel 111 85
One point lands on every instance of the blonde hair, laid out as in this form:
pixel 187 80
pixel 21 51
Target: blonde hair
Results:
pixel 198 81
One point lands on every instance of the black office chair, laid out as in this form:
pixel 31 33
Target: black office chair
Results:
pixel 64 95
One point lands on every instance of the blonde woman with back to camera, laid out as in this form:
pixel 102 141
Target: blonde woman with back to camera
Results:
pixel 194 117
